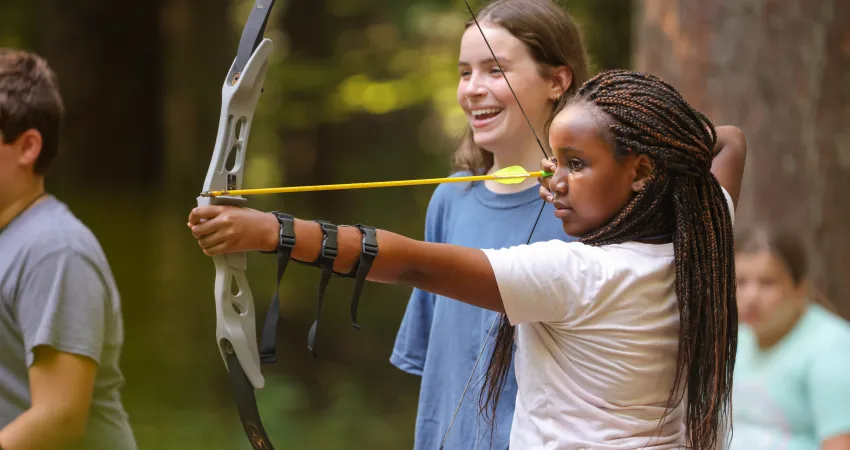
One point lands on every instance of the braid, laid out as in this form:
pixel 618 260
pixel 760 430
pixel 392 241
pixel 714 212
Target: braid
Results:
pixel 684 197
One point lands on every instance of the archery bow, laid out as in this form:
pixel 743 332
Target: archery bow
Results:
pixel 235 315
pixel 235 326
pixel 530 234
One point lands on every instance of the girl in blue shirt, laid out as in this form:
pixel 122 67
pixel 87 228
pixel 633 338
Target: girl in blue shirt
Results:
pixel 540 51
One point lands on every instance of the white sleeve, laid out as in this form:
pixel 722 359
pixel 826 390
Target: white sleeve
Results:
pixel 546 281
pixel 729 203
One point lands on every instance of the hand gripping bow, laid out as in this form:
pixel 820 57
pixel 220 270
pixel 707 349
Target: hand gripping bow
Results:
pixel 235 323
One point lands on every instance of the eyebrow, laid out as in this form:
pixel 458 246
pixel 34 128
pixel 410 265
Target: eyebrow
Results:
pixel 502 60
pixel 570 149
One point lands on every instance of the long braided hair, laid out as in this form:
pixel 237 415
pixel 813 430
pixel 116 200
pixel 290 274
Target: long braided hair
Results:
pixel 682 198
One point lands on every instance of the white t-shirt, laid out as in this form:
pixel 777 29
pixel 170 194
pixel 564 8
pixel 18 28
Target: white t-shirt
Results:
pixel 597 341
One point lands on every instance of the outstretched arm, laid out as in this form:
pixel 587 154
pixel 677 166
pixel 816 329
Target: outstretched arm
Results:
pixel 453 271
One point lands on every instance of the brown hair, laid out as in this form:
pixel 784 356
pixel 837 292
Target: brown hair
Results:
pixel 787 247
pixel 682 199
pixel 552 38
pixel 30 99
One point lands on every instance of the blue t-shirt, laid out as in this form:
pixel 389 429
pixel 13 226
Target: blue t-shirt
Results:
pixel 795 394
pixel 440 338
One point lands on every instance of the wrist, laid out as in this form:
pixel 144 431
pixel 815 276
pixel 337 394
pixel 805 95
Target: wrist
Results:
pixel 271 233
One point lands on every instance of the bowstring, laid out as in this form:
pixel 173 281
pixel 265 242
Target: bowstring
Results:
pixel 539 213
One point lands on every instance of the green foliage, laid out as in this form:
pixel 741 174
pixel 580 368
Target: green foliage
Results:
pixel 377 69
pixel 18 18
pixel 356 90
pixel 289 420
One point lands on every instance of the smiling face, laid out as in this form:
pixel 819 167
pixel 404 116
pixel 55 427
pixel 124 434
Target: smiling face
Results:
pixel 590 185
pixel 496 120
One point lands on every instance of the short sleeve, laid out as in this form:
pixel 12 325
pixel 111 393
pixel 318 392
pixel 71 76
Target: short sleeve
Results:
pixel 61 303
pixel 546 281
pixel 830 391
pixel 411 342
pixel 412 339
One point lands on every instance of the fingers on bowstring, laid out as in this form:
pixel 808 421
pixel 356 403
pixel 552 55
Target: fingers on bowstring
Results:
pixel 545 194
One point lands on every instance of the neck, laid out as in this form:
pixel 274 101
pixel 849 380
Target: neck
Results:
pixel 21 200
pixel 529 158
pixel 770 337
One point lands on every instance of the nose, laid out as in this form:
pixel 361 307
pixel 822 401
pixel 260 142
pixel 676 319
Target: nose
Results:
pixel 473 88
pixel 747 293
pixel 558 183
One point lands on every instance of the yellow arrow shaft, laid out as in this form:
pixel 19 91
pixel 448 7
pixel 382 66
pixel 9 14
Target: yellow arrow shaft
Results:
pixel 372 184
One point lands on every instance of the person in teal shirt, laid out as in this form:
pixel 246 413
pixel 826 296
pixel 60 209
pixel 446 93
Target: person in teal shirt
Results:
pixel 792 374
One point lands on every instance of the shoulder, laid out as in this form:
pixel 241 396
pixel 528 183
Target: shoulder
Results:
pixel 449 196
pixel 602 258
pixel 552 258
pixel 547 281
pixel 826 337
pixel 52 229
pixel 831 331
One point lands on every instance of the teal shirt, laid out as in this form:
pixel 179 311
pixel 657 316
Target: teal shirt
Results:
pixel 796 394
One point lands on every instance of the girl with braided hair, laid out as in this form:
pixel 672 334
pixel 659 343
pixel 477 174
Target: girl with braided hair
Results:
pixel 626 336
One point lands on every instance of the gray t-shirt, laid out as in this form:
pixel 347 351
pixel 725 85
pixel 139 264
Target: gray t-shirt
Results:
pixel 56 289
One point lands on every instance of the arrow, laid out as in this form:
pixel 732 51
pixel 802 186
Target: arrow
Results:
pixel 508 175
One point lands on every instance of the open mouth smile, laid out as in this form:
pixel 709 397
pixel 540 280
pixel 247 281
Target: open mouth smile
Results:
pixel 484 116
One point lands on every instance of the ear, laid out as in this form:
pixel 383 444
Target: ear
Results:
pixel 562 78
pixel 802 289
pixel 28 145
pixel 643 167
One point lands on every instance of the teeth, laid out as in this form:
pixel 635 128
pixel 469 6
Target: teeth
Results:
pixel 481 112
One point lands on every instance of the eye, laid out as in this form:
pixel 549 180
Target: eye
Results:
pixel 496 71
pixel 575 164
pixel 464 73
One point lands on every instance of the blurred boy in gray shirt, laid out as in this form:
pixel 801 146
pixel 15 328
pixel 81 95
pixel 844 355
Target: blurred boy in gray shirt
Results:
pixel 61 330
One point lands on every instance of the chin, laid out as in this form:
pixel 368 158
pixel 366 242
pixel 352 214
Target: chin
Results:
pixel 574 230
pixel 485 139
pixel 751 322
pixel 491 137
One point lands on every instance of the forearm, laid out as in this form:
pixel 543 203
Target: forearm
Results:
pixel 41 429
pixel 461 273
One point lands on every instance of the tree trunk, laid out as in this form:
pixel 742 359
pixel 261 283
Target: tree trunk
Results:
pixel 779 70
pixel 108 62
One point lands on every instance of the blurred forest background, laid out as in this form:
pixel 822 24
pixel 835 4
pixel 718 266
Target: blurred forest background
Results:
pixel 363 90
